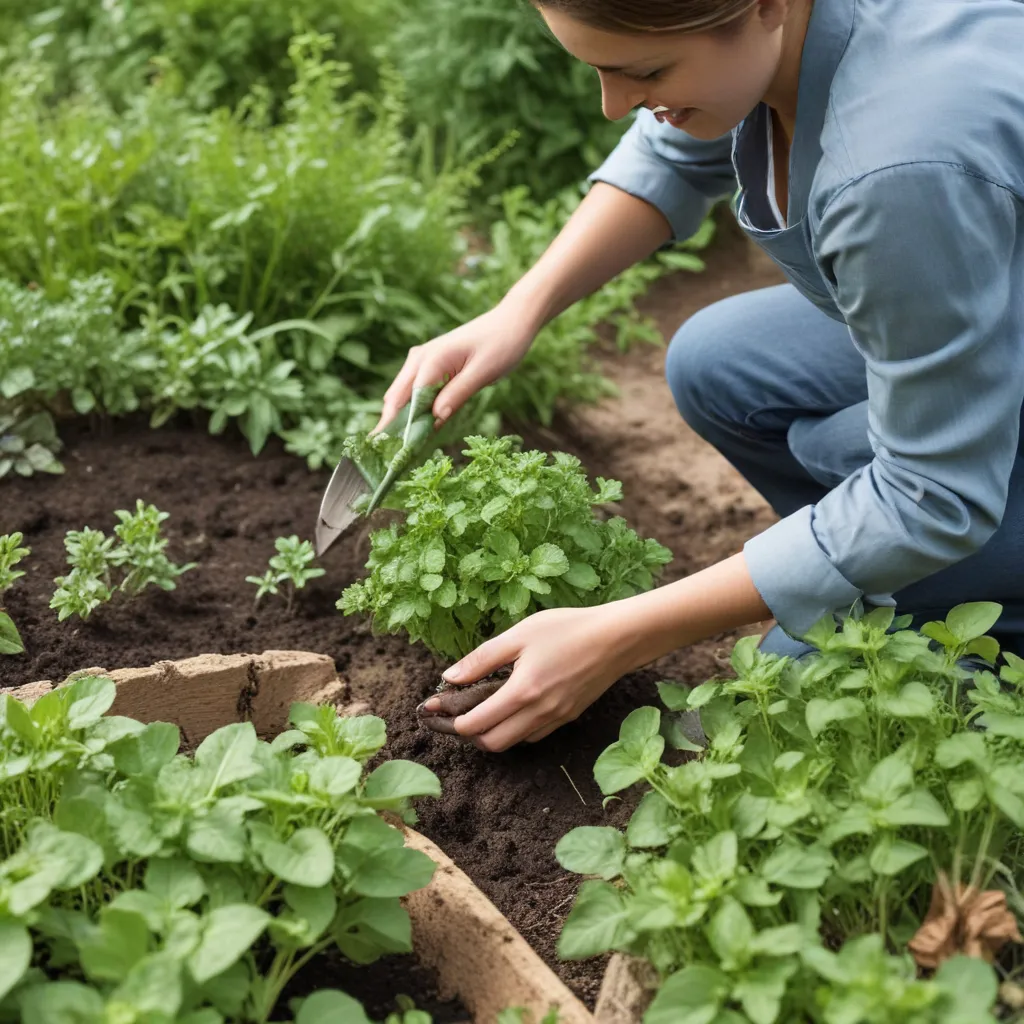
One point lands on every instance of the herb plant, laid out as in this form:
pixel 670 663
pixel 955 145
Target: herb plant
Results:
pixel 483 546
pixel 290 569
pixel 140 884
pixel 94 557
pixel 28 444
pixel 11 553
pixel 784 873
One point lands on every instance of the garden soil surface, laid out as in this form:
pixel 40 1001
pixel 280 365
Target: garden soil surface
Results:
pixel 501 815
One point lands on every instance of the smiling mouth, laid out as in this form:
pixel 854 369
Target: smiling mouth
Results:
pixel 675 116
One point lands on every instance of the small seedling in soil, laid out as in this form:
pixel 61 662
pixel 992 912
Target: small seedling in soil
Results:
pixel 94 557
pixel 290 570
pixel 11 553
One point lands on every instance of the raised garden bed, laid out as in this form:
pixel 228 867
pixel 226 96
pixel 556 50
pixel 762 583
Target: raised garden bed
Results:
pixel 468 958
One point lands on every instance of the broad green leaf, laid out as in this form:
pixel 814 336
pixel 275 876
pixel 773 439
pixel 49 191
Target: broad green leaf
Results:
pixel 674 696
pixel 205 1016
pixel 1000 724
pixel 970 984
pixel 360 737
pixel 798 867
pixel 744 654
pixel 967 793
pixel 111 949
pixel 640 725
pixel 399 780
pixel 514 598
pixel 761 989
pixel 582 576
pixel 889 779
pixel 226 756
pixel 703 695
pixel 968 621
pixel 329 1006
pixel 146 905
pixel 433 558
pixel 371 928
pixel 750 814
pixel 693 995
pixel 10 638
pixel 18 718
pixel 446 595
pixel 590 850
pixel 62 1002
pixel 219 836
pixel 821 633
pixel 595 924
pixel 393 872
pixel 335 776
pixel 718 857
pixel 822 713
pixel 914 700
pixel 892 856
pixel 229 989
pixel 960 748
pixel 985 647
pixel 316 907
pixel 504 544
pixel 305 858
pixel 616 770
pixel 939 632
pixel 15 954
pixel 431 582
pixel 90 698
pixel 146 752
pixel 652 823
pixel 730 933
pixel 548 560
pixel 783 940
pixel 1009 803
pixel 228 934
pixel 153 985
pixel 175 882
pixel 754 892
pixel 916 808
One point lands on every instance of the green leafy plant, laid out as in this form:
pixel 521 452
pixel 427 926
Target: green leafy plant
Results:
pixel 28 444
pixel 11 553
pixel 483 546
pixel 140 884
pixel 93 557
pixel 783 874
pixel 290 569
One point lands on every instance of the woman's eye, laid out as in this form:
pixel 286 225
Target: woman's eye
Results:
pixel 651 76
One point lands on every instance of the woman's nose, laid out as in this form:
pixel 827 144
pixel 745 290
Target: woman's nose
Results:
pixel 619 98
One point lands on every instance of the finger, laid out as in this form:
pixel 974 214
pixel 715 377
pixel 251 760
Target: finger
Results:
pixel 400 391
pixel 459 699
pixel 462 387
pixel 542 734
pixel 512 698
pixel 511 731
pixel 491 655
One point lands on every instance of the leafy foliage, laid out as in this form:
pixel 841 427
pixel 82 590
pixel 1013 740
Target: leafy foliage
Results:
pixel 290 569
pixel 11 553
pixel 93 557
pixel 778 876
pixel 139 884
pixel 484 546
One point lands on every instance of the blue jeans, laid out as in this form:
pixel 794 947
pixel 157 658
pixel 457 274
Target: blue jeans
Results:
pixel 779 389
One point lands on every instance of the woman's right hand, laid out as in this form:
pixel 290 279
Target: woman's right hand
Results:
pixel 469 358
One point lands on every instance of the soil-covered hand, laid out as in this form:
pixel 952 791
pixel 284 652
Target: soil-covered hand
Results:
pixel 468 358
pixel 565 658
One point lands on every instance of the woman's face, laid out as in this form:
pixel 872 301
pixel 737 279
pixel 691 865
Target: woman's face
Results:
pixel 709 81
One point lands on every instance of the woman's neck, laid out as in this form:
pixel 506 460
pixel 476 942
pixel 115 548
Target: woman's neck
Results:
pixel 783 92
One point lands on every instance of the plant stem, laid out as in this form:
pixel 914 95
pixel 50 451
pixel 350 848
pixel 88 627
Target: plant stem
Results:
pixel 986 838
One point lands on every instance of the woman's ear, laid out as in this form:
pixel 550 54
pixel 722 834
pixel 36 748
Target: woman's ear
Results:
pixel 772 14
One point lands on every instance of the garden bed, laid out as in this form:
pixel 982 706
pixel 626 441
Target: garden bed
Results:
pixel 500 816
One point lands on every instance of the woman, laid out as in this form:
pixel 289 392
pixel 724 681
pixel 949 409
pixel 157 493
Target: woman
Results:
pixel 875 401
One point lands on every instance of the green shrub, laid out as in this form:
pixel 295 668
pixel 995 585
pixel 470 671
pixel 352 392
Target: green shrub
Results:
pixel 483 546
pixel 785 872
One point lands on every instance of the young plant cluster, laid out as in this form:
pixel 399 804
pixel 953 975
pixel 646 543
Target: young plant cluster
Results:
pixel 143 886
pixel 136 552
pixel 483 546
pixel 11 553
pixel 855 817
pixel 290 570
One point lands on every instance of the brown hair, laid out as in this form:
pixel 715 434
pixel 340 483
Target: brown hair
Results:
pixel 643 16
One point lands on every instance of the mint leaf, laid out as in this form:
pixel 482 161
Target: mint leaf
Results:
pixel 596 923
pixel 228 934
pixel 175 882
pixel 305 858
pixel 548 560
pixel 694 995
pixel 590 850
pixel 582 576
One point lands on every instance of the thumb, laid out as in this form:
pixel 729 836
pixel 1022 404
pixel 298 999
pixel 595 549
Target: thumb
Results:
pixel 487 658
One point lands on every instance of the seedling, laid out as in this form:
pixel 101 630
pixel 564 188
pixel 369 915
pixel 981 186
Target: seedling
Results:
pixel 94 557
pixel 11 553
pixel 290 570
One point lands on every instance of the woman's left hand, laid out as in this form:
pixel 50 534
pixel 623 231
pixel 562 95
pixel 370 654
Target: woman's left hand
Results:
pixel 565 658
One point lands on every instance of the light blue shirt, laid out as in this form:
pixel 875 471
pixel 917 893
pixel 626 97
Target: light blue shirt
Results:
pixel 906 221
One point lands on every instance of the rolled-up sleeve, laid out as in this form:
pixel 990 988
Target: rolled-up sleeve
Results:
pixel 925 265
pixel 679 175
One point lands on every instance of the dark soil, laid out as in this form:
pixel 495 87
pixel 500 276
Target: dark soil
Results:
pixel 377 986
pixel 501 815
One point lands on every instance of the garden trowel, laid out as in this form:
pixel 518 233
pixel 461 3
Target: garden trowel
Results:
pixel 371 473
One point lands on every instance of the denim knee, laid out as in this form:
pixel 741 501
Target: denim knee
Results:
pixel 696 368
